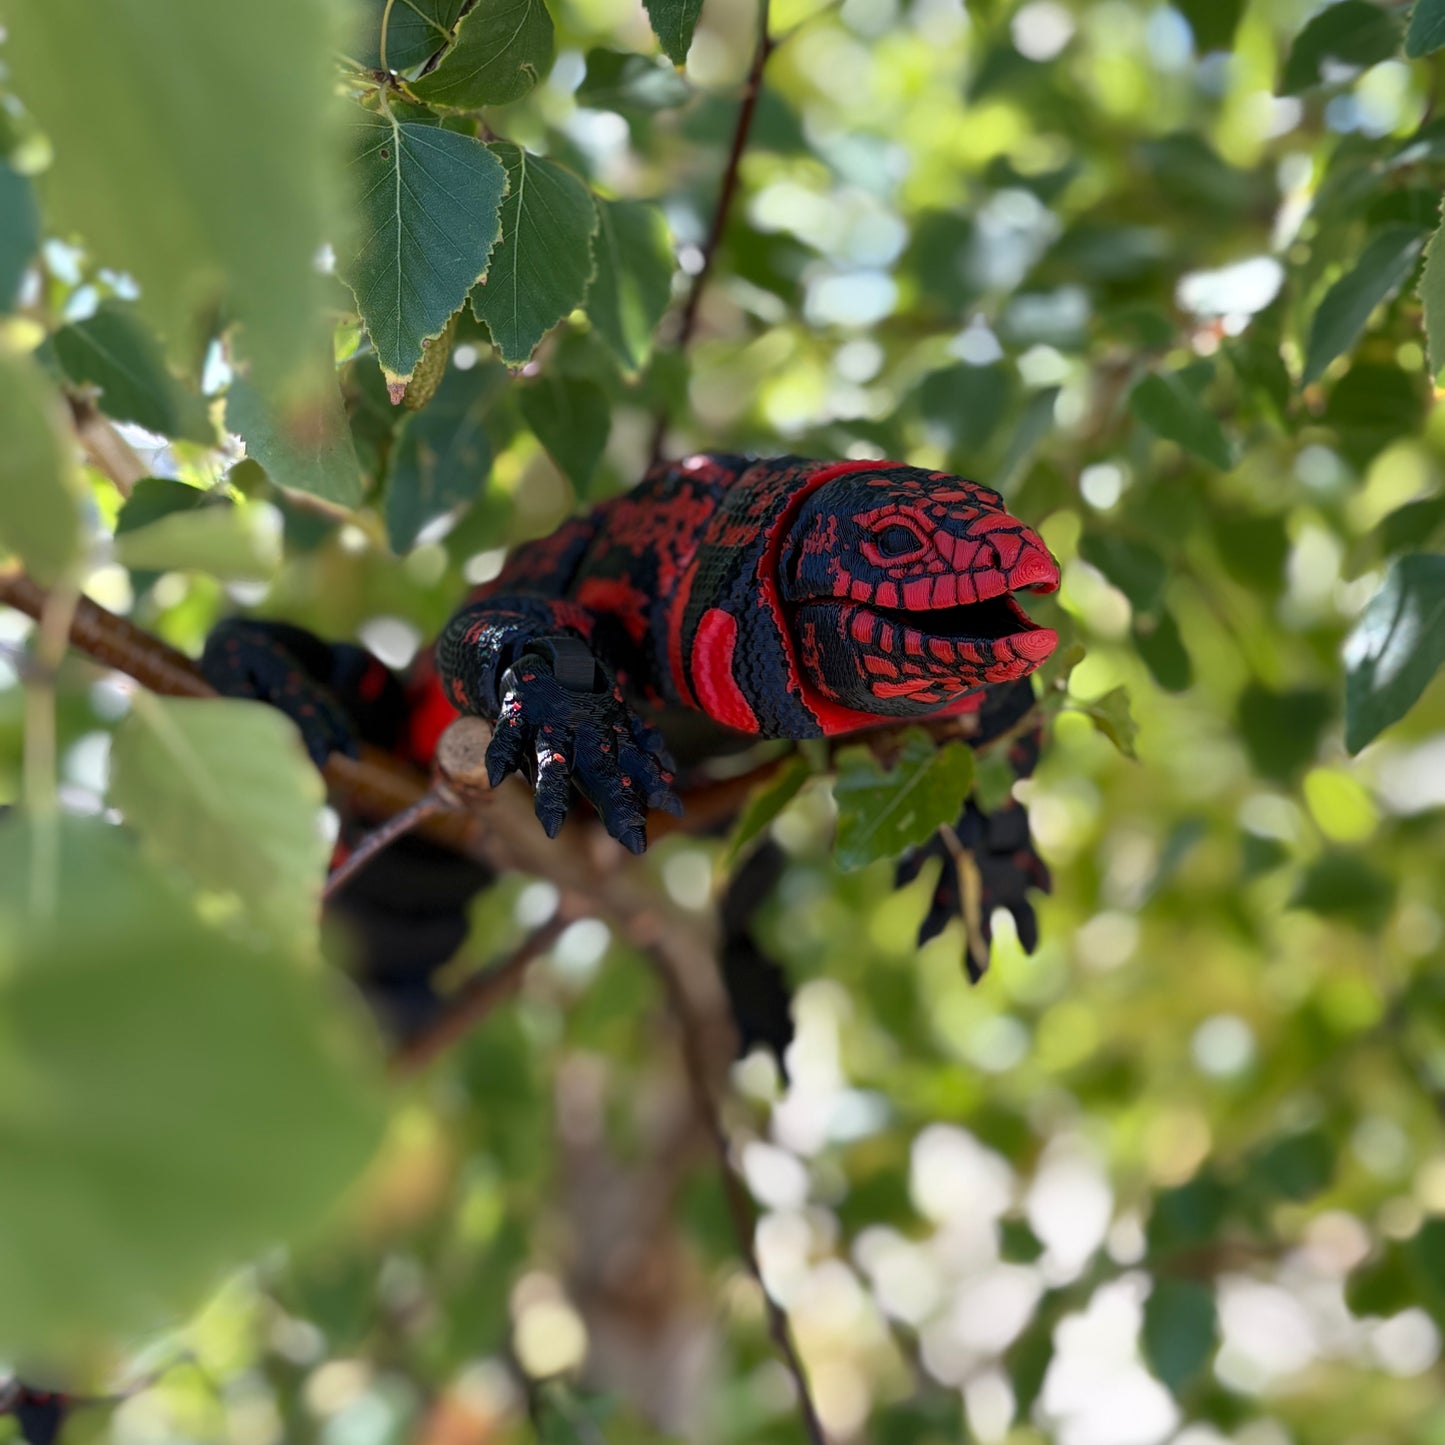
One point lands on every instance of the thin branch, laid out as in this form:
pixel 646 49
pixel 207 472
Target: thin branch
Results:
pixel 478 996
pixel 752 88
pixel 105 448
pixel 739 1202
pixel 427 806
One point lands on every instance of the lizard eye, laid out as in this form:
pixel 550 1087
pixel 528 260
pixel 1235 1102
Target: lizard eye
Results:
pixel 897 541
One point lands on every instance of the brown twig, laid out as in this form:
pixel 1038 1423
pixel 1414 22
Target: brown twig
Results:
pixel 739 1202
pixel 105 449
pixel 381 838
pixel 477 997
pixel 752 88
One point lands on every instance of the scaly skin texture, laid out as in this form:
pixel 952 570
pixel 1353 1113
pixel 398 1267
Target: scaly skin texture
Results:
pixel 778 598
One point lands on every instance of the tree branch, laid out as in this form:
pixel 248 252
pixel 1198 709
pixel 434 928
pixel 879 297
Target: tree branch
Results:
pixel 739 1202
pixel 477 997
pixel 752 88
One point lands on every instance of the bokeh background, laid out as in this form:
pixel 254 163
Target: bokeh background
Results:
pixel 1177 1176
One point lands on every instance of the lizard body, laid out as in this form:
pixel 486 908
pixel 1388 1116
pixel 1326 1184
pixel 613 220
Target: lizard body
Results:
pixel 723 599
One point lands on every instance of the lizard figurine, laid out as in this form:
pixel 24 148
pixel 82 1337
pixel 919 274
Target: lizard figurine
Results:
pixel 725 598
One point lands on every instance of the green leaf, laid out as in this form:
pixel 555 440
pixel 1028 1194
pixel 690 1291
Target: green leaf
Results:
pixel 442 458
pixel 1432 299
pixel 618 80
pixel 1111 715
pixel 228 134
pixel 427 204
pixel 1383 268
pixel 312 453
pixel 765 804
pixel 115 351
pixel 415 31
pixel 1344 885
pixel 503 48
pixel 1349 36
pixel 1181 1330
pixel 224 791
pixel 1397 647
pixel 1032 427
pixel 882 812
pixel 173 1101
pixel 1427 28
pixel 19 232
pixel 40 485
pixel 544 261
pixel 1213 22
pixel 630 291
pixel 1158 641
pixel 1282 730
pixel 966 403
pixel 1372 405
pixel 1297 1166
pixel 571 417
pixel 1170 410
pixel 673 22
pixel 1139 572
pixel 1407 527
pixel 230 542
pixel 1187 1215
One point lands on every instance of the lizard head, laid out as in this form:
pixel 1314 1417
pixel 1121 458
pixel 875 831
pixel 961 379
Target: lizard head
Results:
pixel 900 586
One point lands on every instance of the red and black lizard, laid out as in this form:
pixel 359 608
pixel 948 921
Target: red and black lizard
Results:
pixel 724 598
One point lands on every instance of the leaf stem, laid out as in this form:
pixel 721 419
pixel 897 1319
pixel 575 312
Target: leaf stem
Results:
pixel 41 804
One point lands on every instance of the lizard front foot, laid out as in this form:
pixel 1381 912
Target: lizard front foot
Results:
pixel 563 719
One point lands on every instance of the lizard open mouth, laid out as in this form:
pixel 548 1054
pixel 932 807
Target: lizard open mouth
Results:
pixel 995 636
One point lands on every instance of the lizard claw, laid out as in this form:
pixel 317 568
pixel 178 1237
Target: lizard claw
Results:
pixel 586 736
pixel 1002 850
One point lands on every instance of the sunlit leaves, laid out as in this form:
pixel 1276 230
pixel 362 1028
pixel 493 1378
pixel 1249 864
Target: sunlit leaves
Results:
pixel 673 22
pixel 174 1100
pixel 571 417
pixel 224 791
pixel 442 457
pixel 883 811
pixel 629 293
pixel 1396 649
pixel 191 106
pixel 503 48
pixel 427 203
pixel 1382 269
pixel 1167 406
pixel 115 352
pixel 543 263
pixel 1427 28
pixel 19 231
pixel 1339 42
pixel 311 452
pixel 39 482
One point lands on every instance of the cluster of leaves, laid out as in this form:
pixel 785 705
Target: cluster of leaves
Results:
pixel 954 243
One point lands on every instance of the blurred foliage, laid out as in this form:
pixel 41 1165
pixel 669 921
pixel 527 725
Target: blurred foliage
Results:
pixel 1165 274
